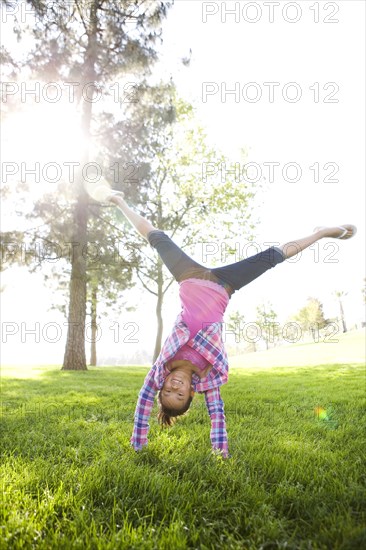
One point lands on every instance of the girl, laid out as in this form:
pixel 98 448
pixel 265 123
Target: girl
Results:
pixel 193 357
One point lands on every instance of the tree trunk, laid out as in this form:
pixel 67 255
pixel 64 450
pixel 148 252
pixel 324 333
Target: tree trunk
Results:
pixel 159 304
pixel 94 328
pixel 342 316
pixel 75 357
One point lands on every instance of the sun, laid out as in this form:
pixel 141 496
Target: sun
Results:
pixel 41 146
pixel 46 132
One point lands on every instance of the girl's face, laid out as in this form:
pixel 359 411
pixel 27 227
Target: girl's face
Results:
pixel 177 389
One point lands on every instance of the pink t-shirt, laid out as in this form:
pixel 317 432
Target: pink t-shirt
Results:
pixel 203 302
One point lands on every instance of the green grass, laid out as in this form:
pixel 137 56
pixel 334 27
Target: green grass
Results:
pixel 294 481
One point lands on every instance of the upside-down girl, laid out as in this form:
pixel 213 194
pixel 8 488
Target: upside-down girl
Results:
pixel 193 358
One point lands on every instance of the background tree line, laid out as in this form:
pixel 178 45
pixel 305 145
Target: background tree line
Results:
pixel 307 324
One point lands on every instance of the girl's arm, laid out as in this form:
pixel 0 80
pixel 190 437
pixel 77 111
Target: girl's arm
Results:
pixel 144 406
pixel 215 407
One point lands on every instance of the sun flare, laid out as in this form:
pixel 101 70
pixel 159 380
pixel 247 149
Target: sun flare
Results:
pixel 47 133
pixel 41 147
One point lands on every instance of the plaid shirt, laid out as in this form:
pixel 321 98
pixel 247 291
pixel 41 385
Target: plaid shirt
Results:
pixel 208 342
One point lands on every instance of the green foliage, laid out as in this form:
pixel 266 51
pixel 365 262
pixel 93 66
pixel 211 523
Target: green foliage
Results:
pixel 124 35
pixel 169 187
pixel 88 43
pixel 311 317
pixel 266 321
pixel 294 481
pixel 236 320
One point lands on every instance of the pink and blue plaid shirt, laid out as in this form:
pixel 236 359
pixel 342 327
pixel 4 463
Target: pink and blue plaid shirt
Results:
pixel 208 342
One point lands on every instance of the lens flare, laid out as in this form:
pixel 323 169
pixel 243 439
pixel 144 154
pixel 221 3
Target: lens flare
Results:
pixel 321 413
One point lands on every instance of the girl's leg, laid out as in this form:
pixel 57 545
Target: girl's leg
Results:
pixel 179 264
pixel 242 273
pixel 292 248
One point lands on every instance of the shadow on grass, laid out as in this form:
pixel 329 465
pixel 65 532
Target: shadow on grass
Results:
pixel 105 385
pixel 57 381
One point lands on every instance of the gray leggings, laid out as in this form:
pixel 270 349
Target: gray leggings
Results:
pixel 232 277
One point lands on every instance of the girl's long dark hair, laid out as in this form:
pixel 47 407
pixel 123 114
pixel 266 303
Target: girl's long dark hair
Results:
pixel 167 416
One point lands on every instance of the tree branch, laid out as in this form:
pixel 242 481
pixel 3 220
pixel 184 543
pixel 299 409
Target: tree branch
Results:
pixel 110 224
pixel 180 219
pixel 172 280
pixel 81 16
pixel 145 286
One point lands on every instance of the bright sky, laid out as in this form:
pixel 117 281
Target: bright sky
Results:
pixel 319 137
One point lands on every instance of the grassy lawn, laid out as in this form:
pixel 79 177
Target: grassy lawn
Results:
pixel 296 478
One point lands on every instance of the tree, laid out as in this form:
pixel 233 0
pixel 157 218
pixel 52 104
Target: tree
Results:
pixel 109 266
pixel 340 294
pixel 235 327
pixel 89 43
pixel 311 317
pixel 235 324
pixel 266 321
pixel 174 195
